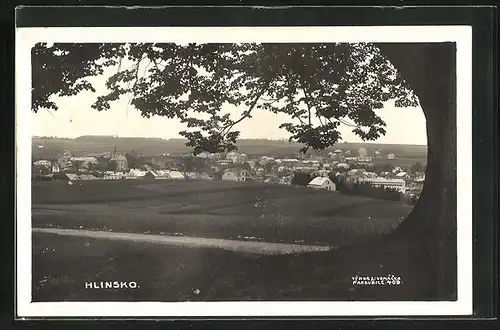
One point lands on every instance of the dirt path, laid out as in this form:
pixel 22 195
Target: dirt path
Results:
pixel 192 242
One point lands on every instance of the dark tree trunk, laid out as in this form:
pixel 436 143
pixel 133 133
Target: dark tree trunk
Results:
pixel 430 69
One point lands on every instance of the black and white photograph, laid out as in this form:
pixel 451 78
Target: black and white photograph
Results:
pixel 244 171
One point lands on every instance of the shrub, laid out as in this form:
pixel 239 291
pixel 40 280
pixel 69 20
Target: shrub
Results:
pixel 301 179
pixel 366 190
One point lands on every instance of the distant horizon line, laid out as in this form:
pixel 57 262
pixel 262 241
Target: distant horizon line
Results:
pixel 242 139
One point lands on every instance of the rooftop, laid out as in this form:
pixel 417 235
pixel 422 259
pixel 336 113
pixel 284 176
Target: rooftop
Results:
pixel 318 181
pixel 382 180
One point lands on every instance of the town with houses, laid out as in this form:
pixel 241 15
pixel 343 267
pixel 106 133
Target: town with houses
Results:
pixel 320 170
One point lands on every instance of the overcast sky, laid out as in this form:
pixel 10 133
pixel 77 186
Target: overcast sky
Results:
pixel 76 118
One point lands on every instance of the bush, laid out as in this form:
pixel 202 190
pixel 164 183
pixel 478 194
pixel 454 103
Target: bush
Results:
pixel 413 200
pixel 301 179
pixel 340 183
pixel 366 190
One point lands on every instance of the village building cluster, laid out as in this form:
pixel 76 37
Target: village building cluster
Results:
pixel 364 167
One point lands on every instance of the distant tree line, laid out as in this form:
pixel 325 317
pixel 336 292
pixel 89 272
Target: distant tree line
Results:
pixel 194 164
pixel 368 190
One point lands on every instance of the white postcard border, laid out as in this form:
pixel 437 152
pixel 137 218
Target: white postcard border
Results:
pixel 27 37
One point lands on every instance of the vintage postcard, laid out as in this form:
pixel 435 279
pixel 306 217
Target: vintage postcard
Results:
pixel 246 171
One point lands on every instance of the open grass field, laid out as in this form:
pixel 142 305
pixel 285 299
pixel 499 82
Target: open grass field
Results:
pixel 62 265
pixel 229 210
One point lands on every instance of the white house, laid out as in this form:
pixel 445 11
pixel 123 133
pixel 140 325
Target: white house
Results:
pixel 43 162
pixel 136 173
pixel 153 175
pixel 165 175
pixel 403 175
pixel 322 183
pixel 175 175
pixel 232 175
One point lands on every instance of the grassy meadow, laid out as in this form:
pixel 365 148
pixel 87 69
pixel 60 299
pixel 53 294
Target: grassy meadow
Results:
pixel 231 210
pixel 62 265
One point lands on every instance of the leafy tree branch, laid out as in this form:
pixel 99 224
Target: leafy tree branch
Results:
pixel 337 83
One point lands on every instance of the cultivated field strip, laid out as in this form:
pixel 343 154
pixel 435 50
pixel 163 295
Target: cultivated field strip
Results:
pixel 97 191
pixel 192 242
pixel 215 210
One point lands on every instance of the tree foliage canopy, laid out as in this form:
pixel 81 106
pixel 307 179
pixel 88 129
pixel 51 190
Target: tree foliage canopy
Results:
pixel 61 69
pixel 318 86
